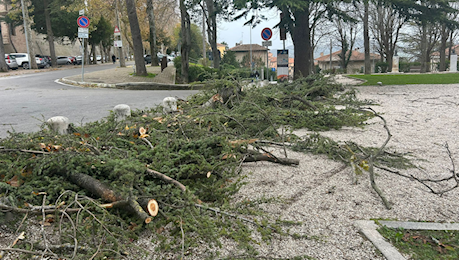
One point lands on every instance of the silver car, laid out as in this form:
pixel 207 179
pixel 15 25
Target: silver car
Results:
pixel 64 60
pixel 11 62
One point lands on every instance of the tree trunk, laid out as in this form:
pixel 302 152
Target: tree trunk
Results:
pixel 49 32
pixel 152 36
pixel 121 57
pixel 137 38
pixel 212 33
pixel 186 41
pixel 442 49
pixel 367 56
pixel 301 40
pixel 3 66
pixel 27 21
pixel 423 47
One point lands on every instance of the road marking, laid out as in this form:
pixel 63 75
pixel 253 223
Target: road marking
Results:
pixel 64 84
pixel 17 76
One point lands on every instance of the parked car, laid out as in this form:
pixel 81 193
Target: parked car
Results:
pixel 73 59
pixel 23 60
pixel 46 59
pixel 64 60
pixel 78 60
pixel 11 62
pixel 148 58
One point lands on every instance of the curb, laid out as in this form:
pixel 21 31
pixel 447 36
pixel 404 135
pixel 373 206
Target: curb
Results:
pixel 135 85
pixel 369 229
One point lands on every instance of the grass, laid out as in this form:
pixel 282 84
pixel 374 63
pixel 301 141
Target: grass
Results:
pixel 149 75
pixel 403 79
pixel 424 244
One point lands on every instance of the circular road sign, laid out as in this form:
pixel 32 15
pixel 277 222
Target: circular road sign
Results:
pixel 267 34
pixel 83 21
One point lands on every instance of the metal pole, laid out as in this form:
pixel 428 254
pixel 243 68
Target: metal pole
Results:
pixel 83 60
pixel 267 64
pixel 330 55
pixel 26 31
pixel 250 47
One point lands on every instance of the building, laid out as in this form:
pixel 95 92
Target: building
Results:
pixel 436 56
pixel 356 63
pixel 259 53
pixel 222 49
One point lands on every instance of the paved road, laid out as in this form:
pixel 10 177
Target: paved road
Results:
pixel 27 100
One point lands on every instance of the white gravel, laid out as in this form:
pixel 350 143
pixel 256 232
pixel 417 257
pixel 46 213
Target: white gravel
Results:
pixel 421 118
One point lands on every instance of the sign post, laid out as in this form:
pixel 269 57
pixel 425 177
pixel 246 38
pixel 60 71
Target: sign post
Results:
pixel 266 36
pixel 83 33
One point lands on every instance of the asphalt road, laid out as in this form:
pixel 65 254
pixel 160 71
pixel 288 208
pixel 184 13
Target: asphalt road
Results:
pixel 26 101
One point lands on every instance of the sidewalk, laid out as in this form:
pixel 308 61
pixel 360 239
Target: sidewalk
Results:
pixel 124 78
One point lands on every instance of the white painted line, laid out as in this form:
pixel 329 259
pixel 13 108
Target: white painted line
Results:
pixel 62 83
pixel 369 229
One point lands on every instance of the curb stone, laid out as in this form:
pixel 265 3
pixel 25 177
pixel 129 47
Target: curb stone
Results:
pixel 369 229
pixel 136 85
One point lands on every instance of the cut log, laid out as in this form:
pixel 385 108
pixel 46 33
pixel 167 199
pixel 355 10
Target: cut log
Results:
pixel 103 191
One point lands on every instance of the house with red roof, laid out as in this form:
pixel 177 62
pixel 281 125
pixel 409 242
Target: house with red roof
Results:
pixel 356 63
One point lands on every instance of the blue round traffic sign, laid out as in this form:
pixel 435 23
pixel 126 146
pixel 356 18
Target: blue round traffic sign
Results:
pixel 83 21
pixel 266 34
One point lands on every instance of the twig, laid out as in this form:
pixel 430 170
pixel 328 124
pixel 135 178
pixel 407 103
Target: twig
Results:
pixel 22 151
pixel 216 210
pixel 183 238
pixel 165 178
pixel 374 156
pixel 148 142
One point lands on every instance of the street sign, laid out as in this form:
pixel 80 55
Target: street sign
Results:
pixel 83 21
pixel 81 12
pixel 116 32
pixel 267 43
pixel 83 35
pixel 117 44
pixel 83 30
pixel 266 34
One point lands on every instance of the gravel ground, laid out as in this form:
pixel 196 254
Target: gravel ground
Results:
pixel 421 118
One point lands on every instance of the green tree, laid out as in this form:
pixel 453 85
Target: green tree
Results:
pixel 196 39
pixel 230 59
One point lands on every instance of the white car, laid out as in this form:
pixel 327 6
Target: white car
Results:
pixel 11 62
pixel 23 60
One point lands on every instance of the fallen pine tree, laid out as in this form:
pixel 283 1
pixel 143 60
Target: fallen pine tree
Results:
pixel 170 173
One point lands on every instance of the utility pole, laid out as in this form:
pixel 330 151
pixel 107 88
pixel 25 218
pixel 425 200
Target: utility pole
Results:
pixel 120 49
pixel 330 54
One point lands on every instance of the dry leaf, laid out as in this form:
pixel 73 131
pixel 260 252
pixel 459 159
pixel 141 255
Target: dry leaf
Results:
pixel 142 131
pixel 77 134
pixel 143 136
pixel 14 181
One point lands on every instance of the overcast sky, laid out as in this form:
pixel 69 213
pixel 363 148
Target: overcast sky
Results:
pixel 235 32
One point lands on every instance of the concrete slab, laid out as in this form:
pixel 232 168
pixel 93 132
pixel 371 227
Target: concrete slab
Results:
pixel 369 229
pixel 420 225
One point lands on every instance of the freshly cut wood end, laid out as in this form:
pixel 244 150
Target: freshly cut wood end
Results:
pixel 148 220
pixel 152 207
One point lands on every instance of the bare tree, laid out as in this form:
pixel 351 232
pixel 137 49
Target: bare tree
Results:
pixel 137 39
pixel 186 40
pixel 386 25
pixel 152 35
